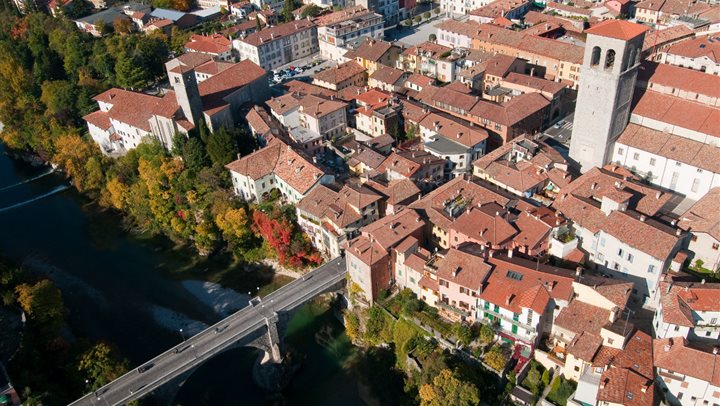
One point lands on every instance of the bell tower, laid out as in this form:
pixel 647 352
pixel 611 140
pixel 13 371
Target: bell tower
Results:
pixel 607 84
pixel 187 94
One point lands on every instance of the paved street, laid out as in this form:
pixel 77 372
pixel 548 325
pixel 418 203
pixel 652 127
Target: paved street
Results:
pixel 414 35
pixel 203 346
pixel 562 134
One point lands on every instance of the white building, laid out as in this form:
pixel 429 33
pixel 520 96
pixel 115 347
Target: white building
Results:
pixel 688 310
pixel 701 53
pixel 332 218
pixel 686 376
pixel 609 211
pixel 702 220
pixel 279 45
pixel 336 29
pixel 458 143
pixel 461 7
pixel 277 166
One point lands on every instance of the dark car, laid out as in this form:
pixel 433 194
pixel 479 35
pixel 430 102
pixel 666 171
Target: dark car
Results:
pixel 145 367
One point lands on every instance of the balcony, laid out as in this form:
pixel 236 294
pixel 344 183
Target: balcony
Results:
pixel 453 309
pixel 531 330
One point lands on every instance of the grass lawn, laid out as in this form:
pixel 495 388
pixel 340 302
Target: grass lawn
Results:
pixel 561 390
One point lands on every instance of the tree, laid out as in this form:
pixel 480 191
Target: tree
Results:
pixel 352 325
pixel 194 155
pixel 101 364
pixel 432 37
pixel 447 389
pixel 377 328
pixel 417 19
pixel 258 24
pixel 122 25
pixel 436 10
pixel 426 15
pixel 486 333
pixel 178 39
pixel 102 27
pixel 496 359
pixel 408 22
pixel 463 333
pixel 74 154
pixel 129 72
pixel 221 147
pixel 76 9
pixel 311 10
pixel 288 10
pixel 59 99
pixel 43 304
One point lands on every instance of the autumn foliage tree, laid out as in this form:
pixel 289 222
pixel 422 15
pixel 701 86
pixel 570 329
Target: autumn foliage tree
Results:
pixel 447 389
pixel 288 242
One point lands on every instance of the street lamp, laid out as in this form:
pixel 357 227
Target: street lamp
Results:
pixel 182 335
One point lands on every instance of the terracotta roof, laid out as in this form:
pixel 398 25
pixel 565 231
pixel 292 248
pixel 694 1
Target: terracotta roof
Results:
pixel 213 67
pixel 432 206
pixel 397 191
pixel 486 224
pixel 366 250
pixel 674 7
pixel 135 108
pixel 704 216
pixel 420 81
pixel 341 15
pixel 697 48
pixel 339 73
pixel 675 355
pixel 386 74
pixel 454 130
pixel 428 49
pixel 676 111
pixel 389 231
pixel 211 44
pixel 277 32
pixel 408 163
pixel 680 299
pixel 372 49
pixel 369 158
pixel 585 346
pixel 618 29
pixel 671 146
pixel 581 317
pixel 655 38
pixel 514 284
pixel 462 268
pixel 257 122
pixel 214 89
pixel 99 119
pixel 341 208
pixel 624 387
pixel 498 8
pixel 500 65
pixel 569 8
pixel 534 82
pixel 283 161
pixel 680 78
pixel 296 86
pixel 319 107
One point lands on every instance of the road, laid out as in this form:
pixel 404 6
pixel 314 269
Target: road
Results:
pixel 563 133
pixel 204 345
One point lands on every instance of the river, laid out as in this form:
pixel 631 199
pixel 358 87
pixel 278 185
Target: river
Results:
pixel 118 288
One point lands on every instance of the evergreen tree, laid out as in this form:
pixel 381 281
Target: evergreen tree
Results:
pixel 258 25
pixel 129 72
pixel 288 10
pixel 221 147
pixel 194 155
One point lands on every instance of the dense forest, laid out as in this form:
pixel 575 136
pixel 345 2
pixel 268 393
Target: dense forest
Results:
pixel 49 72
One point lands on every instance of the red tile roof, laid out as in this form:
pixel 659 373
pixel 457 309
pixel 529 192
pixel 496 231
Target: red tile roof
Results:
pixel 454 130
pixel 679 78
pixel 277 32
pixel 211 44
pixel 340 73
pixel 618 29
pixel 675 355
pixel 625 387
pixel 704 216
pixel 462 268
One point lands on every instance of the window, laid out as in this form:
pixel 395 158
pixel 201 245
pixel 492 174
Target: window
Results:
pixel 621 151
pixel 636 156
pixel 600 257
pixel 713 321
pixel 609 58
pixel 715 246
pixel 620 252
pixel 677 328
pixel 651 268
pixel 652 161
pixel 695 185
pixel 630 258
pixel 602 242
pixel 595 59
pixel 616 266
pixel 577 369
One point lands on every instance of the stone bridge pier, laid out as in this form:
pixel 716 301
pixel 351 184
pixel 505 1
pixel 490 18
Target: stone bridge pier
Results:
pixel 272 370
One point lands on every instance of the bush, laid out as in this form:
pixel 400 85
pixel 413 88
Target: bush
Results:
pixel 378 328
pixel 432 37
pixel 561 390
pixel 546 378
pixel 486 334
pixel 496 359
pixel 463 333
pixel 352 325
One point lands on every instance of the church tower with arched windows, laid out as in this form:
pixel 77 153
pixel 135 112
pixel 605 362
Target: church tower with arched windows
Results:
pixel 607 84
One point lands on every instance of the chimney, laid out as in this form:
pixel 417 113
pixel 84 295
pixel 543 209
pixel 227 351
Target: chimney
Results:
pixel 509 299
pixel 716 350
pixel 578 271
pixel 658 194
pixel 603 383
pixel 510 252
pixel 702 282
pixel 456 271
pixel 642 218
pixel 593 186
pixel 643 389
pixel 678 232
